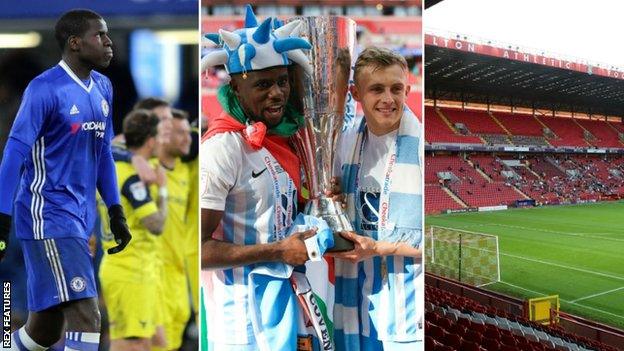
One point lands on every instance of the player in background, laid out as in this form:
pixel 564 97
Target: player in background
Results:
pixel 146 172
pixel 382 181
pixel 162 110
pixel 61 137
pixel 175 293
pixel 192 214
pixel 128 279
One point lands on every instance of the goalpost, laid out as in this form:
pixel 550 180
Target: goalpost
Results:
pixel 461 255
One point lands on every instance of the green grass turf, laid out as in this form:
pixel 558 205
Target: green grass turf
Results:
pixel 575 251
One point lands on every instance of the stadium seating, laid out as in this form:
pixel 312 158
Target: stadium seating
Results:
pixel 477 122
pixel 501 128
pixel 567 131
pixel 437 200
pixel 618 126
pixel 449 163
pixel 459 323
pixel 468 184
pixel 520 124
pixel 489 165
pixel 437 131
pixel 486 194
pixel 545 178
pixel 496 139
pixel 605 134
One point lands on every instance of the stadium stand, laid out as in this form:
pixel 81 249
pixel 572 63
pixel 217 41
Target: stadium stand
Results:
pixel 489 321
pixel 486 179
pixel 519 125
pixel 474 185
pixel 486 194
pixel 567 131
pixel 438 131
pixel 438 199
pixel 496 139
pixel 477 122
pixel 489 165
pixel 451 125
pixel 606 135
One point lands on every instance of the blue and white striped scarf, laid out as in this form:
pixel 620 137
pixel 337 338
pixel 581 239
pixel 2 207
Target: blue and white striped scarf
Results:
pixel 406 189
pixel 274 310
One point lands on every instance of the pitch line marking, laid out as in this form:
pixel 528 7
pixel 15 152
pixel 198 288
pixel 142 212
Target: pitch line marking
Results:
pixel 566 301
pixel 525 289
pixel 582 235
pixel 598 294
pixel 566 267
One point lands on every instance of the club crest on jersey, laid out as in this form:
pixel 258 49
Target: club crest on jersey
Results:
pixel 78 284
pixel 105 108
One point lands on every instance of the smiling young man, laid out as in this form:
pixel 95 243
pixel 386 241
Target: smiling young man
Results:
pixel 61 136
pixel 380 162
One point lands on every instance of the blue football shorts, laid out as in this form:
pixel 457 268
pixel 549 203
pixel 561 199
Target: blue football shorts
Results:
pixel 58 270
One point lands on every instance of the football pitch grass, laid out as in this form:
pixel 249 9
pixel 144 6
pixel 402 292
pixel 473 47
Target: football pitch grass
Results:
pixel 575 251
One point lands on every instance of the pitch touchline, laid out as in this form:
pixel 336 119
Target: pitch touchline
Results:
pixel 548 231
pixel 566 301
pixel 564 266
pixel 598 294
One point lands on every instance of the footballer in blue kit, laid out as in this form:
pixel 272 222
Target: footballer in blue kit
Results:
pixel 57 156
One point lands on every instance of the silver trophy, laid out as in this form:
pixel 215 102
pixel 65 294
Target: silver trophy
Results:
pixel 324 92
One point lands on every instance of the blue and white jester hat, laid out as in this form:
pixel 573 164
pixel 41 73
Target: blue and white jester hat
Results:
pixel 257 47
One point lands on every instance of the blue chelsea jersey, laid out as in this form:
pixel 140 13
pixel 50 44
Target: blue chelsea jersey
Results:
pixel 68 123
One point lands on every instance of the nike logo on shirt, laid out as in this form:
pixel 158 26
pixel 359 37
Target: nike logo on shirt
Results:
pixel 256 175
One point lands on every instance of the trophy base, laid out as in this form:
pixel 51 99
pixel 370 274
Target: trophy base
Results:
pixel 331 211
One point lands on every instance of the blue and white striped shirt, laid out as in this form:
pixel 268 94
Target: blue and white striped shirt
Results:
pixel 248 186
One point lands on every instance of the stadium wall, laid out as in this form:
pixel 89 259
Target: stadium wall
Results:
pixel 489 298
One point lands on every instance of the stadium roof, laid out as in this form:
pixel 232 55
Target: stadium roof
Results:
pixel 457 69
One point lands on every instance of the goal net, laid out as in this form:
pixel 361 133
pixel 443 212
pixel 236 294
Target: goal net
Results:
pixel 463 256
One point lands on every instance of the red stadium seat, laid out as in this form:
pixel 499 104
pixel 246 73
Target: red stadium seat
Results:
pixel 491 344
pixel 429 343
pixel 470 346
pixel 472 335
pixel 436 332
pixel 445 323
pixel 452 340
